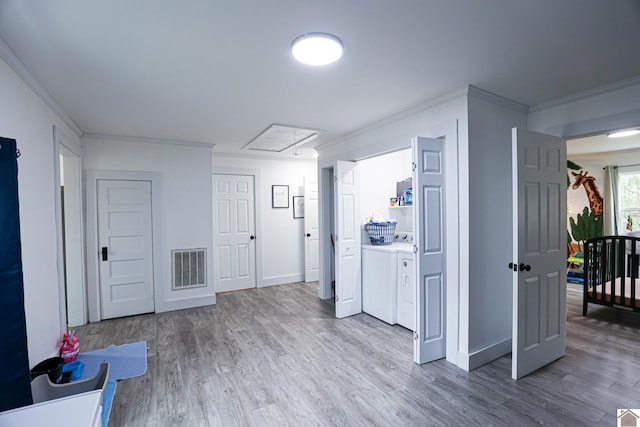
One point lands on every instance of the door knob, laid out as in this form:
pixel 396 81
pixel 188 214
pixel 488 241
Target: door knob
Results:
pixel 308 234
pixel 524 267
pixel 513 266
pixel 252 237
pixel 105 253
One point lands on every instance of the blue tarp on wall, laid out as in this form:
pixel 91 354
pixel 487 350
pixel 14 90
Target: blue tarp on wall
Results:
pixel 15 380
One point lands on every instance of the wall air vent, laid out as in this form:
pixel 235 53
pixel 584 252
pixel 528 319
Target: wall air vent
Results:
pixel 189 268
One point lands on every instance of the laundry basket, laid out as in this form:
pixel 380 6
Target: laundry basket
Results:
pixel 381 233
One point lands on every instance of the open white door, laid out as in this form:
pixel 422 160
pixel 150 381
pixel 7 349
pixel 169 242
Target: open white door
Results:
pixel 347 240
pixel 539 250
pixel 429 215
pixel 311 231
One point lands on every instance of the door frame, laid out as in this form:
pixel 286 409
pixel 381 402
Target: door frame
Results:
pixel 62 143
pixel 456 227
pixel 257 199
pixel 306 221
pixel 325 222
pixel 91 202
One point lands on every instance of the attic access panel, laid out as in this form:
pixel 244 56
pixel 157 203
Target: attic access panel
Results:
pixel 278 138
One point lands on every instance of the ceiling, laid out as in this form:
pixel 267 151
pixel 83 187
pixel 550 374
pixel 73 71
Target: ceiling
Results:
pixel 221 72
pixel 598 144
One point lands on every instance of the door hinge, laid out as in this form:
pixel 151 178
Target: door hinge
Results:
pixel 415 249
pixel 413 166
pixel 337 299
pixel 415 336
pixel 335 178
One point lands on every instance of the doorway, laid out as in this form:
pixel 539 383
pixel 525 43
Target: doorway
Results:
pixel 70 234
pixel 125 239
pixel 144 195
pixel 234 232
pixel 429 163
pixel 311 231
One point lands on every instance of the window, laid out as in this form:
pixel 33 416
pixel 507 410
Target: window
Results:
pixel 629 199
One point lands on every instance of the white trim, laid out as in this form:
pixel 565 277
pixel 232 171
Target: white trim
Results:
pixel 497 99
pixel 327 254
pixel 106 137
pixel 302 157
pixel 434 102
pixel 60 138
pixel 282 280
pixel 93 272
pixel 485 355
pixel 182 303
pixel 589 93
pixel 29 79
pixel 596 125
pixel 59 247
pixel 257 198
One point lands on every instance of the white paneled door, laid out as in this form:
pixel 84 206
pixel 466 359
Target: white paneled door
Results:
pixel 125 248
pixel 348 288
pixel 234 258
pixel 311 231
pixel 429 216
pixel 539 250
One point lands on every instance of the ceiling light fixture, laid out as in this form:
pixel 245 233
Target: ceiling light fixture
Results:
pixel 317 48
pixel 623 133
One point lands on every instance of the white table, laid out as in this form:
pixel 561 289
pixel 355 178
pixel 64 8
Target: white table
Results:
pixel 79 410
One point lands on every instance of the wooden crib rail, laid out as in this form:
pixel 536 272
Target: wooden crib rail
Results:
pixel 611 275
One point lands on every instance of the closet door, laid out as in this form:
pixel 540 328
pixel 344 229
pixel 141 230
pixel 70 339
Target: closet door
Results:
pixel 15 381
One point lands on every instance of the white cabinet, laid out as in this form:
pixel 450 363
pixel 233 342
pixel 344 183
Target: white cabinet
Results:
pixel 406 291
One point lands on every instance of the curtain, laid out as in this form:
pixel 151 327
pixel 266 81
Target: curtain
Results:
pixel 15 380
pixel 610 208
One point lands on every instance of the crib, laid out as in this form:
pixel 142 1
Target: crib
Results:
pixel 611 272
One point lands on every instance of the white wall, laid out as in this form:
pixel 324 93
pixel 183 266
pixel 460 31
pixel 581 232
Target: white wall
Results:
pixel 280 237
pixel 378 178
pixel 490 226
pixel 186 205
pixel 26 118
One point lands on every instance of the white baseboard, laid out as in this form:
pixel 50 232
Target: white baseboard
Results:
pixel 281 280
pixel 475 359
pixel 181 304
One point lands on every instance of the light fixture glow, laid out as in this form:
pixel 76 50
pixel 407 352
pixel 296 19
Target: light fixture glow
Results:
pixel 623 133
pixel 317 48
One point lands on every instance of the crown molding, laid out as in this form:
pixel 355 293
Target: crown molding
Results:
pixel 497 99
pixel 123 138
pixel 243 155
pixel 432 102
pixel 589 93
pixel 12 60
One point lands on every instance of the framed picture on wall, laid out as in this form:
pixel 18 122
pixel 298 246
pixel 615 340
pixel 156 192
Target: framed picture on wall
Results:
pixel 280 196
pixel 298 206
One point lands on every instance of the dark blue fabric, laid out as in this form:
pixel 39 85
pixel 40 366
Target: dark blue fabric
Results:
pixel 15 380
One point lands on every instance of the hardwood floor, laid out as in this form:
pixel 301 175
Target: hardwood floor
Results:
pixel 277 356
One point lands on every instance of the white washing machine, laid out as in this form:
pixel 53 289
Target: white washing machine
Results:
pixel 379 278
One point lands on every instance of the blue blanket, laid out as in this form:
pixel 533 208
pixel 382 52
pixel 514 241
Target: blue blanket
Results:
pixel 125 361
